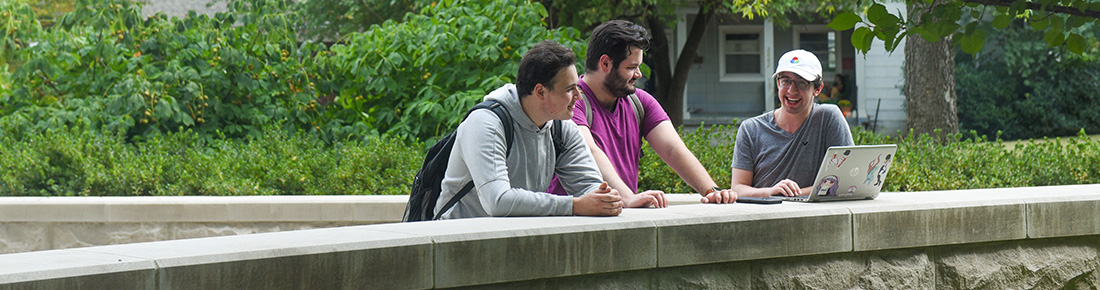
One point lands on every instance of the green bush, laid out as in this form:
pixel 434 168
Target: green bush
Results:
pixel 79 162
pixel 105 66
pixel 418 77
pixel 922 163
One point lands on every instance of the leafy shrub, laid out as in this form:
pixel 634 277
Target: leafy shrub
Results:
pixel 79 162
pixel 923 163
pixel 418 77
pixel 106 67
pixel 712 145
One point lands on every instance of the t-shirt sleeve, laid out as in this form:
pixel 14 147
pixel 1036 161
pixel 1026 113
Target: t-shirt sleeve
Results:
pixel 743 156
pixel 654 113
pixel 841 134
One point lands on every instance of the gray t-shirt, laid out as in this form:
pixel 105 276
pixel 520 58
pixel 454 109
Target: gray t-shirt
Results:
pixel 773 154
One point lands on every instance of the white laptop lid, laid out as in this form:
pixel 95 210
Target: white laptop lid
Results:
pixel 852 172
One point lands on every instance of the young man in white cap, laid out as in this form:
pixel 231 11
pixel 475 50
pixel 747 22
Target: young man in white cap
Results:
pixel 779 152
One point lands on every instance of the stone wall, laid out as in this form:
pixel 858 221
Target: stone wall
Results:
pixel 1014 238
pixel 47 223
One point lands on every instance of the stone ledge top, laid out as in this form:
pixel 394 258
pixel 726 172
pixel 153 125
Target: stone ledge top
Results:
pixel 347 209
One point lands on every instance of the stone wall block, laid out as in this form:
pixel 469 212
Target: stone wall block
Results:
pixel 734 275
pixel 889 228
pixel 24 237
pixel 1037 264
pixel 750 232
pixel 880 270
pixel 1062 217
pixel 75 235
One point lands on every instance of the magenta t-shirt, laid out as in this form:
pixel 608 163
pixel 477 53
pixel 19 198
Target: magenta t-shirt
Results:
pixel 617 132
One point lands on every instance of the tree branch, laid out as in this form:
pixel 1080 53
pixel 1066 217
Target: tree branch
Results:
pixel 1091 13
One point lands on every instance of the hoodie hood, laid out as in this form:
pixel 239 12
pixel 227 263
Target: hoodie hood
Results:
pixel 508 96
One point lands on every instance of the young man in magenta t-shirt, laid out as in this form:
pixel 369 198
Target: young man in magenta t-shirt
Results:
pixel 611 68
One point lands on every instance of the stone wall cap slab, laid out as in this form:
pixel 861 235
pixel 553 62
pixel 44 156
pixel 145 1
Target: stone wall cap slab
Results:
pixel 925 200
pixel 720 213
pixel 54 264
pixel 714 233
pixel 52 209
pixel 381 208
pixel 494 228
pixel 261 246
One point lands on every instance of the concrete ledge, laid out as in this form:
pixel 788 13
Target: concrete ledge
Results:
pixel 64 269
pixel 511 249
pixel 358 208
pixel 710 233
pixel 907 234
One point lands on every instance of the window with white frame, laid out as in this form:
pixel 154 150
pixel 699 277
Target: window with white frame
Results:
pixel 822 41
pixel 741 51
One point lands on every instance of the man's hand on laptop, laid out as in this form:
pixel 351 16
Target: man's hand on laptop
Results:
pixel 786 187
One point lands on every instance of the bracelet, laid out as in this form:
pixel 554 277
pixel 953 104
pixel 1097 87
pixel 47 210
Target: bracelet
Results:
pixel 712 189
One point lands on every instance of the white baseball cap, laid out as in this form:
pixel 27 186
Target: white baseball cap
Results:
pixel 801 62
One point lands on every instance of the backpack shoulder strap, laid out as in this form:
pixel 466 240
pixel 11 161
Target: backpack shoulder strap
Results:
pixel 506 120
pixel 557 134
pixel 587 109
pixel 639 111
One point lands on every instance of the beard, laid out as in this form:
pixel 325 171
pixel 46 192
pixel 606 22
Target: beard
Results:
pixel 619 86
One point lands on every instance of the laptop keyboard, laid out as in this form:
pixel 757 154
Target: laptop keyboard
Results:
pixel 795 198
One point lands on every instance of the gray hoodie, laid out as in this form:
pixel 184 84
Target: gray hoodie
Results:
pixel 516 186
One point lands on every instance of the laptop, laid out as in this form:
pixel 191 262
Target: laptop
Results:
pixel 850 173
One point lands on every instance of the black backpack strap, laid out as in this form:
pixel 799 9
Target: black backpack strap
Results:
pixel 506 120
pixel 559 142
pixel 454 200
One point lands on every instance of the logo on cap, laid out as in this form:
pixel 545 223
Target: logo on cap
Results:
pixel 794 60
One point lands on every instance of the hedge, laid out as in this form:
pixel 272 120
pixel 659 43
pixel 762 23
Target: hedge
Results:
pixel 82 162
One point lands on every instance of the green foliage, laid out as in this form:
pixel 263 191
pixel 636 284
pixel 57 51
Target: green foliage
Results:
pixel 331 20
pixel 1023 89
pixel 712 145
pixel 418 77
pixel 106 67
pixel 958 20
pixel 923 163
pixel 80 162
pixel 959 162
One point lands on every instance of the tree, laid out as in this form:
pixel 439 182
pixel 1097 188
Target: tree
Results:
pixel 930 95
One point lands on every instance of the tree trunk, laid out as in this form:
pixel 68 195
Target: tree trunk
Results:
pixel 660 68
pixel 929 82
pixel 671 90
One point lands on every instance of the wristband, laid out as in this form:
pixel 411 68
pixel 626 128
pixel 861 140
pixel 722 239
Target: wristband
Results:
pixel 712 189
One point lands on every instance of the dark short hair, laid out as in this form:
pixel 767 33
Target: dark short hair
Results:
pixel 614 38
pixel 541 64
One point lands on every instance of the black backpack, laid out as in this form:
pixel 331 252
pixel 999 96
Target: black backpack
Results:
pixel 427 183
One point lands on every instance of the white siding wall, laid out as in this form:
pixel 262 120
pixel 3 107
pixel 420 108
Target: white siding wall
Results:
pixel 880 76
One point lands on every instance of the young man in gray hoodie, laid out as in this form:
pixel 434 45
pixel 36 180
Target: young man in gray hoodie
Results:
pixel 515 184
